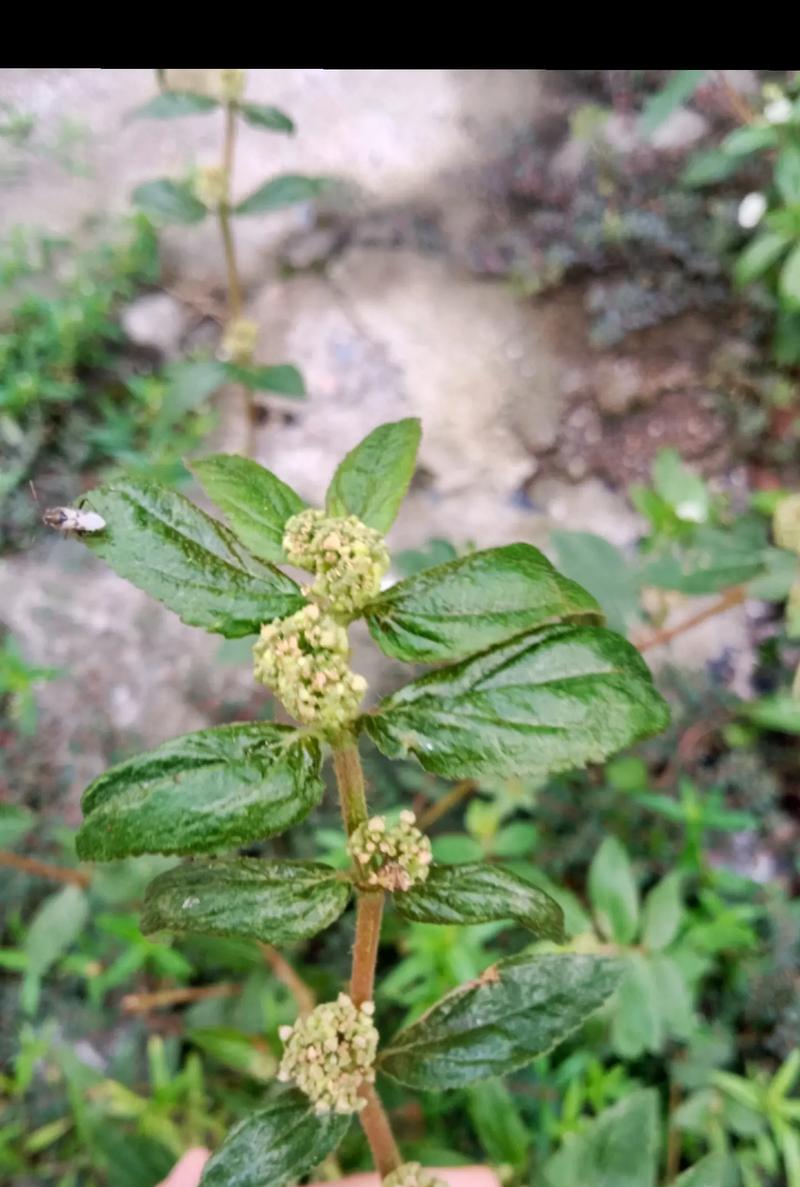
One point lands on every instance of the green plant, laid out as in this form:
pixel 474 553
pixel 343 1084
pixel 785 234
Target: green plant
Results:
pixel 772 256
pixel 754 1121
pixel 208 191
pixel 18 680
pixel 530 684
pixel 68 402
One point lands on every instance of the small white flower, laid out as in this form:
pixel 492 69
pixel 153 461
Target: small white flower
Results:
pixel 779 111
pixel 752 209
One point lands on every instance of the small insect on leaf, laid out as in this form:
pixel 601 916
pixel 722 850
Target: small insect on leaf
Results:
pixel 71 519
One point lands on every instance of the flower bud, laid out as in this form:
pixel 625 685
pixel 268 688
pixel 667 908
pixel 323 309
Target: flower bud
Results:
pixel 304 660
pixel 412 1174
pixel 778 111
pixel 330 1053
pixel 239 340
pixel 211 186
pixel 390 856
pixel 231 85
pixel 348 558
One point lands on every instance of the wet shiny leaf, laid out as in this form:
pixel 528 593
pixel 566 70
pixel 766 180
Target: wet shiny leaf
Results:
pixel 192 563
pixel 276 1145
pixel 372 480
pixel 514 1012
pixel 255 502
pixel 546 701
pixel 208 790
pixel 272 901
pixel 477 892
pixel 477 601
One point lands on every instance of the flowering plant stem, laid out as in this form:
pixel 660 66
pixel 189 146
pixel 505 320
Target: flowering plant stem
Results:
pixel 369 913
pixel 235 303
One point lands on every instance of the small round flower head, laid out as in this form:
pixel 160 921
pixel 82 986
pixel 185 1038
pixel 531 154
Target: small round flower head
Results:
pixel 778 111
pixel 304 660
pixel 348 558
pixel 211 186
pixel 786 523
pixel 231 85
pixel 412 1174
pixel 392 856
pixel 752 209
pixel 330 1053
pixel 239 340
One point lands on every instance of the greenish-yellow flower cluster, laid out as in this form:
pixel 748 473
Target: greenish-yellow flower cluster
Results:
pixel 786 523
pixel 211 186
pixel 348 558
pixel 304 660
pixel 231 85
pixel 330 1053
pixel 391 856
pixel 412 1174
pixel 239 340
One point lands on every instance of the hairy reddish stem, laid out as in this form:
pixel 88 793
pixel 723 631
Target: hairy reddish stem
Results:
pixel 369 913
pixel 378 1131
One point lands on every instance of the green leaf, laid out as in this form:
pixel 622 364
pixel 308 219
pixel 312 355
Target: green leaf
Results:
pixel 170 104
pixel 260 115
pixel 759 255
pixel 600 567
pixel 218 787
pixel 176 553
pixel 617 1149
pixel 711 1171
pixel 663 911
pixel 273 901
pixel 451 848
pixel 456 609
pixel 514 1012
pixel 613 892
pixel 778 575
pixel 283 379
pixel 779 713
pixel 54 928
pixel 716 559
pixel 481 893
pixel 677 90
pixel 500 1129
pixel 15 823
pixel 256 503
pixel 673 996
pixel 276 1145
pixel 679 487
pixel 546 701
pixel 128 1159
pixel 245 1053
pixel 789 279
pixel 638 1023
pixel 709 167
pixel 749 139
pixel 787 174
pixel 279 192
pixel 191 383
pixel 170 201
pixel 372 480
